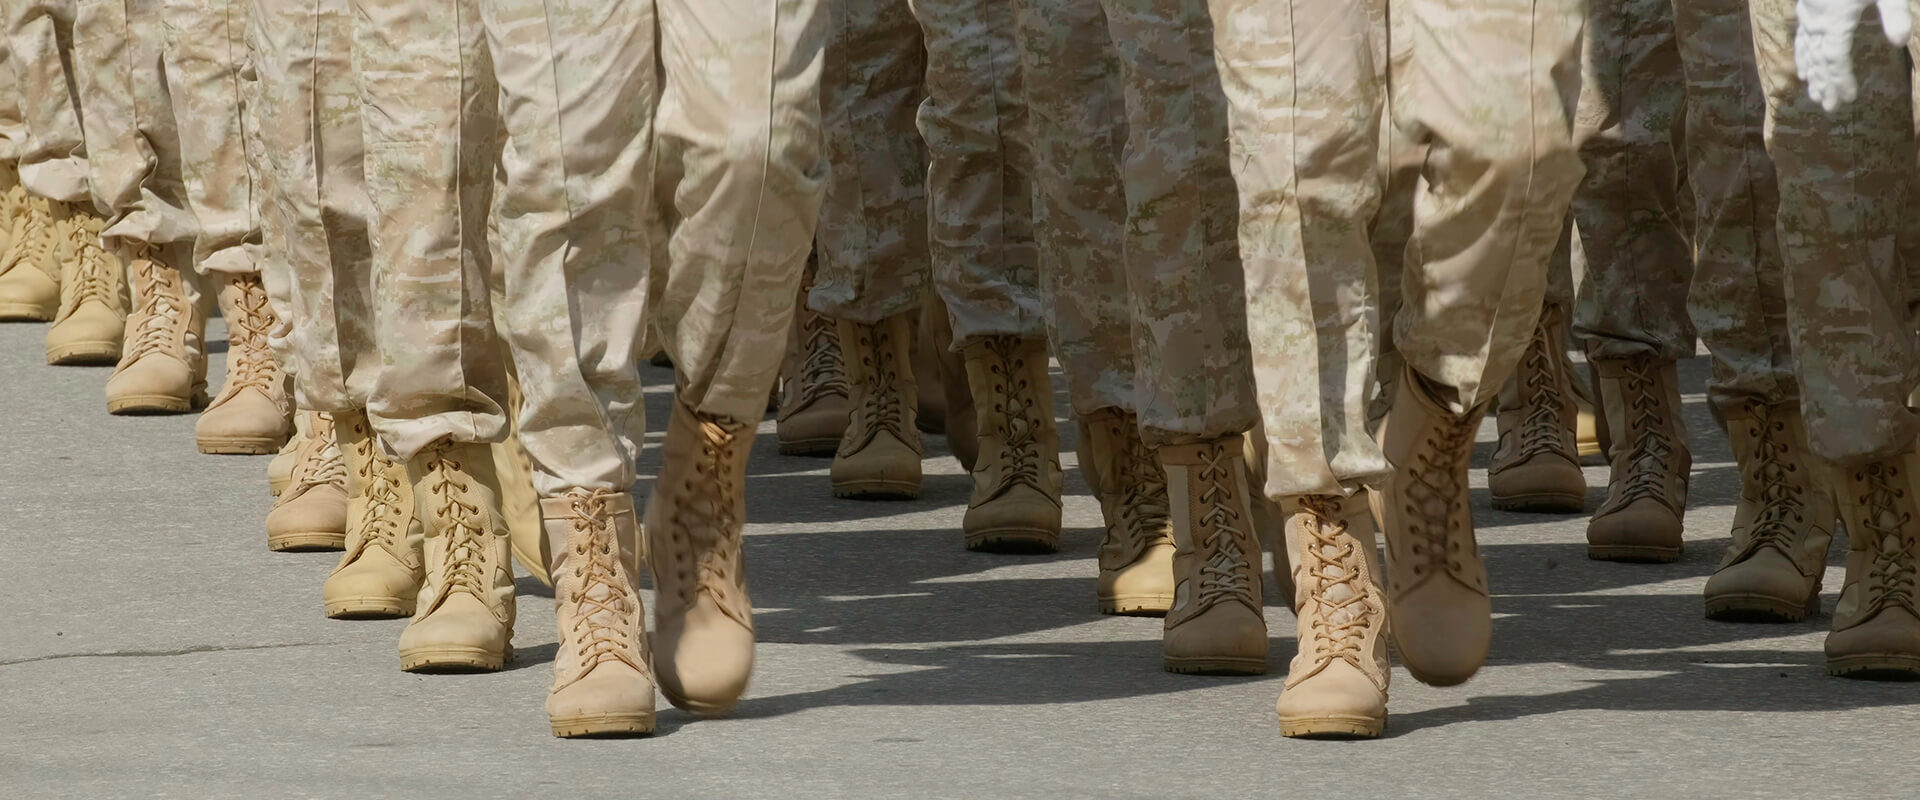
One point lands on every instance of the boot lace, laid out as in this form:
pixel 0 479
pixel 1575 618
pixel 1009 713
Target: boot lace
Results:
pixel 162 311
pixel 1542 430
pixel 823 372
pixel 1015 405
pixel 1653 448
pixel 96 274
pixel 1782 499
pixel 1226 574
pixel 882 404
pixel 706 505
pixel 1143 493
pixel 32 240
pixel 319 463
pixel 385 514
pixel 1331 562
pixel 250 321
pixel 466 540
pixel 1435 498
pixel 1891 573
pixel 598 616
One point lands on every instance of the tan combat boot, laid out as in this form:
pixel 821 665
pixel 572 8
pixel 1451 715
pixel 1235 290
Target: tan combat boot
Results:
pixel 1876 625
pixel 29 272
pixel 1536 469
pixel 1215 625
pixel 253 414
pixel 312 513
pixel 879 457
pixel 1015 505
pixel 92 319
pixel 280 468
pixel 164 368
pixel 463 616
pixel 380 574
pixel 602 684
pixel 950 370
pixel 703 631
pixel 1136 555
pixel 814 395
pixel 1438 603
pixel 1782 525
pixel 1647 493
pixel 1337 684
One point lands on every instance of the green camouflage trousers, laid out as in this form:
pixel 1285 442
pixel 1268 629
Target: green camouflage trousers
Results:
pixel 625 132
pixel 205 50
pixel 1846 193
pixel 53 162
pixel 1135 214
pixel 1494 139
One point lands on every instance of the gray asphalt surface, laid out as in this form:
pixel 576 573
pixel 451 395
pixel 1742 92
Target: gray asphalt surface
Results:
pixel 150 646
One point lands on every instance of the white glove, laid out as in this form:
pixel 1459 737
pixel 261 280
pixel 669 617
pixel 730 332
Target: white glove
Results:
pixel 1823 46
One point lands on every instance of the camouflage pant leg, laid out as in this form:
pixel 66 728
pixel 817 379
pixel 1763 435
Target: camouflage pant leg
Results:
pixel 1490 86
pixel 1738 299
pixel 1307 174
pixel 873 258
pixel 13 125
pixel 1630 235
pixel 577 82
pixel 133 147
pixel 1845 192
pixel 204 54
pixel 1078 123
pixel 426 100
pixel 269 250
pixel 310 132
pixel 40 37
pixel 980 170
pixel 739 132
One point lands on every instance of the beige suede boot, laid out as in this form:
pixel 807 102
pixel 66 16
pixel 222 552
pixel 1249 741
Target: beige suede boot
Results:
pixel 253 414
pixel 1876 625
pixel 814 394
pixel 602 684
pixel 703 631
pixel 1337 684
pixel 1438 603
pixel 29 273
pixel 1647 493
pixel 380 574
pixel 879 456
pixel 950 369
pixel 1015 505
pixel 1215 625
pixel 1782 525
pixel 1136 555
pixel 463 616
pixel 91 322
pixel 164 368
pixel 312 513
pixel 280 468
pixel 1537 466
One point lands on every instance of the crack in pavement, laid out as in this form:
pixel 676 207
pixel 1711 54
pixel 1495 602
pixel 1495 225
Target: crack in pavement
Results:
pixel 165 653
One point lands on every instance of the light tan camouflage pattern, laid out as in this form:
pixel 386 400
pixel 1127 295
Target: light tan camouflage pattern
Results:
pixel 270 251
pixel 14 138
pixel 53 164
pixel 1136 216
pixel 205 51
pixel 1846 192
pixel 133 146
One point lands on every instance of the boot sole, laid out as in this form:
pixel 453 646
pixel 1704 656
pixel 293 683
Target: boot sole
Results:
pixel 144 404
pixel 1761 608
pixel 1031 541
pixel 1633 553
pixel 699 708
pixel 25 313
pixel 1214 665
pixel 876 490
pixel 1150 605
pixel 606 724
pixel 307 541
pixel 1541 503
pixel 811 448
pixel 1876 666
pixel 1338 726
pixel 453 659
pixel 84 354
pixel 369 608
pixel 239 446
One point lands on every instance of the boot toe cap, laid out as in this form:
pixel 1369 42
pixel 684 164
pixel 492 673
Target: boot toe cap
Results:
pixel 1227 638
pixel 1544 482
pixel 1644 530
pixel 246 415
pixel 1443 631
pixel 1765 579
pixel 609 690
pixel 704 662
pixel 1339 700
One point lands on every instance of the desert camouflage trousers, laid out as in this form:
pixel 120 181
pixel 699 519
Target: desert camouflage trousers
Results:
pixel 1495 143
pixel 930 167
pixel 626 134
pixel 14 137
pixel 133 144
pixel 1846 194
pixel 1135 218
pixel 53 156
pixel 205 52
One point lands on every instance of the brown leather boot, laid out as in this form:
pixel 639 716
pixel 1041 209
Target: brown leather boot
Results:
pixel 164 368
pixel 1782 525
pixel 1337 684
pixel 1136 555
pixel 463 616
pixel 91 322
pixel 312 513
pixel 814 393
pixel 1876 625
pixel 1647 493
pixel 1215 625
pixel 253 414
pixel 703 629
pixel 1015 505
pixel 379 575
pixel 29 273
pixel 1537 466
pixel 879 456
pixel 1438 603
pixel 602 684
